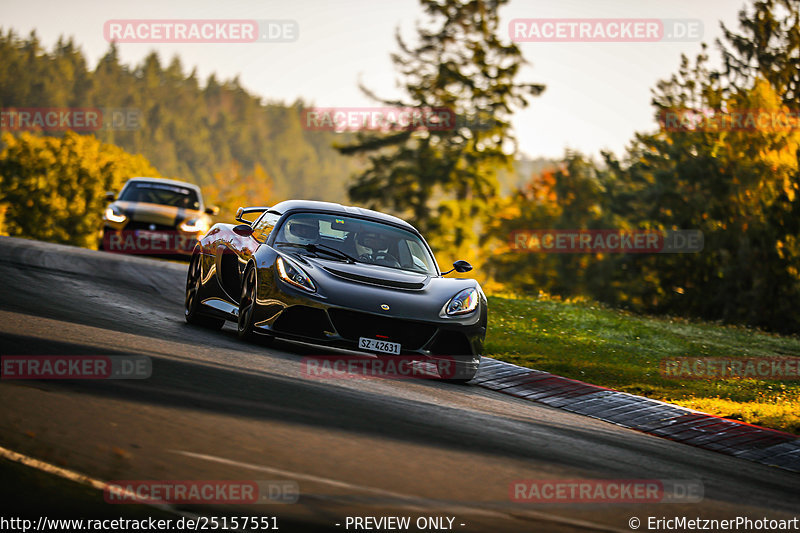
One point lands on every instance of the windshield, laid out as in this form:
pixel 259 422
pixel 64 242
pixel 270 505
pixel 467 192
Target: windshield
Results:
pixel 160 193
pixel 368 241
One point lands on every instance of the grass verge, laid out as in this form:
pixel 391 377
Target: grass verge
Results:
pixel 624 351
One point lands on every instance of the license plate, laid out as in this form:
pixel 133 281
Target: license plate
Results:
pixel 375 345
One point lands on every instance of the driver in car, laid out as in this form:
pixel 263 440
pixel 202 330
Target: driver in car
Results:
pixel 302 232
pixel 373 248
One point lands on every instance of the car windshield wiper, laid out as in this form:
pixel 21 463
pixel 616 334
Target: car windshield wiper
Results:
pixel 332 250
pixel 315 248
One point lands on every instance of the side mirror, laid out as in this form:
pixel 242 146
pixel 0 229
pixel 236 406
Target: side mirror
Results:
pixel 460 266
pixel 110 196
pixel 243 230
pixel 212 210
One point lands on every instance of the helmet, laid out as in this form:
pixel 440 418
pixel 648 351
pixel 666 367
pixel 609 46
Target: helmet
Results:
pixel 302 231
pixel 370 242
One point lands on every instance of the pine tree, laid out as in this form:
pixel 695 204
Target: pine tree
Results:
pixel 768 46
pixel 445 179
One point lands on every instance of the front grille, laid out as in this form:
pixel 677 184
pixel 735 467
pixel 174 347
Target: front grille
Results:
pixel 352 324
pixel 302 320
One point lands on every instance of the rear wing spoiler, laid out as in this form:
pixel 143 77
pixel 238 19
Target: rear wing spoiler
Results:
pixel 245 210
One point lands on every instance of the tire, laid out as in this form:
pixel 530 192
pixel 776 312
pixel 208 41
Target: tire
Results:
pixel 245 325
pixel 247 306
pixel 192 302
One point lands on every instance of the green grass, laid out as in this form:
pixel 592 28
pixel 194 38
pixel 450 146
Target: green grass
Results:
pixel 623 351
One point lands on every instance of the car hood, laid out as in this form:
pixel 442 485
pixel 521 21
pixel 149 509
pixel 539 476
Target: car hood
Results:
pixel 166 215
pixel 375 275
pixel 371 288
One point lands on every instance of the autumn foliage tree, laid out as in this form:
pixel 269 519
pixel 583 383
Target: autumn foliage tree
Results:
pixel 738 184
pixel 52 188
pixel 445 179
pixel 232 189
pixel 189 128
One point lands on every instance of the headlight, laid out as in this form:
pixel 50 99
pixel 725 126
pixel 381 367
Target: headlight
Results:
pixel 113 215
pixel 291 273
pixel 465 301
pixel 194 225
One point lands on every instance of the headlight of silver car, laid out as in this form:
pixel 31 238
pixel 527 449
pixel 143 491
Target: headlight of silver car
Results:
pixel 114 214
pixel 291 273
pixel 464 302
pixel 194 225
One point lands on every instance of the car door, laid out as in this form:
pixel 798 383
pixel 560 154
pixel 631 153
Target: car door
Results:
pixel 234 250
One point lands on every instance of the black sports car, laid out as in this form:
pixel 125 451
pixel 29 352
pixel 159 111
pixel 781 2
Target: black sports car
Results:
pixel 339 276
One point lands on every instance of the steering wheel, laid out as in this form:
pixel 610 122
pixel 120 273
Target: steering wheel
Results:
pixel 386 259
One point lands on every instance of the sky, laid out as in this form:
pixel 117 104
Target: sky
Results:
pixel 598 94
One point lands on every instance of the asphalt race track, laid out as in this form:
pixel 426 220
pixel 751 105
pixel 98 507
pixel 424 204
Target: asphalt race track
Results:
pixel 217 408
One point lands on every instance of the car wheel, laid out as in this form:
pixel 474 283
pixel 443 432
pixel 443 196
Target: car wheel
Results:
pixel 247 304
pixel 192 301
pixel 247 307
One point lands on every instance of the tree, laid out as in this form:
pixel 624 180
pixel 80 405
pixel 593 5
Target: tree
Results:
pixel 186 130
pixel 444 179
pixel 53 188
pixel 739 185
pixel 230 190
pixel 767 47
pixel 569 197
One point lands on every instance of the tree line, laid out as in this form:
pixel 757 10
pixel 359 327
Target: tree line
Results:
pixel 204 131
pixel 739 185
